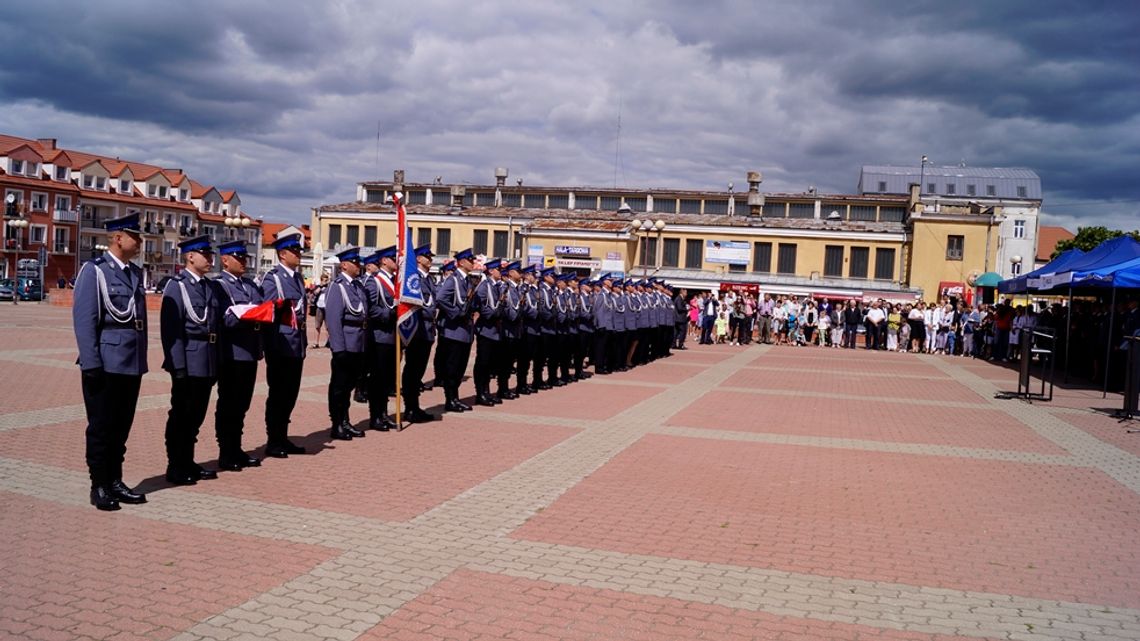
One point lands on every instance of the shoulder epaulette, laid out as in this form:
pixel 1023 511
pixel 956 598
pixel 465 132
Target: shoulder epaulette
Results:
pixel 98 260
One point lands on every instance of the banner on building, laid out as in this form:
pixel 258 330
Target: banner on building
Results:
pixel 741 288
pixel 731 252
pixel 571 250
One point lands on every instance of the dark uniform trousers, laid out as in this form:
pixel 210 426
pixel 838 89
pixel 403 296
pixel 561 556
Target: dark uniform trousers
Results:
pixel 619 347
pixel 381 378
pixel 110 400
pixel 509 349
pixel 235 392
pixel 487 353
pixel 680 332
pixel 415 365
pixel 601 356
pixel 346 368
pixel 569 344
pixel 527 356
pixel 456 356
pixel 439 362
pixel 552 354
pixel 585 343
pixel 189 402
pixel 283 375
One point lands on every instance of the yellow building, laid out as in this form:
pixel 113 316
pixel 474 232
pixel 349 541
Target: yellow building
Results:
pixel 833 246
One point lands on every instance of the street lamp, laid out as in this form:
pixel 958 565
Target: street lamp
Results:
pixel 648 226
pixel 19 224
pixel 922 176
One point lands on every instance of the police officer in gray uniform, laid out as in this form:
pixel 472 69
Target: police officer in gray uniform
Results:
pixel 346 314
pixel 585 330
pixel 512 330
pixel 456 323
pixel 548 324
pixel 240 351
pixel 603 312
pixel 381 289
pixel 109 319
pixel 285 343
pixel 418 349
pixel 488 302
pixel 190 320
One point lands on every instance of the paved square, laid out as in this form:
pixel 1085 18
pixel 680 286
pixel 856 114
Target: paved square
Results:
pixel 729 492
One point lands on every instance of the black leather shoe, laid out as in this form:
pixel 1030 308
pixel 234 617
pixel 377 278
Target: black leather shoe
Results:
pixel 427 387
pixel 585 375
pixel 104 499
pixel 484 400
pixel 381 424
pixel 453 406
pixel 542 386
pixel 202 474
pixel 290 448
pixel 229 463
pixel 558 382
pixel 124 494
pixel 494 399
pixel 417 415
pixel 338 434
pixel 508 395
pixel 352 431
pixel 180 477
pixel 246 460
pixel 360 396
pixel 276 451
pixel 523 390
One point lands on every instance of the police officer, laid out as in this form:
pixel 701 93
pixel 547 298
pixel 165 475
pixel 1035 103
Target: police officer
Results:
pixel 346 314
pixel 568 296
pixel 488 302
pixel 418 349
pixel 602 308
pixel 285 343
pixel 370 265
pixel 240 351
pixel 548 322
pixel 456 322
pixel 447 270
pixel 109 319
pixel 190 320
pixel 622 325
pixel 585 330
pixel 381 289
pixel 510 342
pixel 530 347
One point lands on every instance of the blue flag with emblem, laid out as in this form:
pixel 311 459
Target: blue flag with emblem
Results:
pixel 411 294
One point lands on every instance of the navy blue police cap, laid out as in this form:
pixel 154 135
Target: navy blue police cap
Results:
pixel 371 259
pixel 465 254
pixel 196 244
pixel 291 241
pixel 493 263
pixel 351 254
pixel 235 248
pixel 130 222
pixel 514 266
pixel 424 250
pixel 449 266
pixel 547 271
pixel 387 252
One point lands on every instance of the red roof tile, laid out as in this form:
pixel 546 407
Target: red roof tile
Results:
pixel 1047 239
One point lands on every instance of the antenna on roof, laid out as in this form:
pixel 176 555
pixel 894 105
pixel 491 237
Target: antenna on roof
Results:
pixel 377 147
pixel 617 148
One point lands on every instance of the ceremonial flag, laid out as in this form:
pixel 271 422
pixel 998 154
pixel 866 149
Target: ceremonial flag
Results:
pixel 411 297
pixel 263 313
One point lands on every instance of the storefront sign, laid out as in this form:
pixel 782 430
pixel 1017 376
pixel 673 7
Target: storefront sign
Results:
pixel 741 288
pixel 613 255
pixel 571 250
pixel 732 252
pixel 579 263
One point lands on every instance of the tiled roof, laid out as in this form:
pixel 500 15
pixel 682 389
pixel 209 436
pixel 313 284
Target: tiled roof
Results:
pixel 1047 239
pixel 269 232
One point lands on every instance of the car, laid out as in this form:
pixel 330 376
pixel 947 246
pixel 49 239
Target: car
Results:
pixel 26 288
pixel 161 286
pixel 6 289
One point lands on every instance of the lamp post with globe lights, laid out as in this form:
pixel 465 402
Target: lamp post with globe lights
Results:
pixel 19 223
pixel 648 227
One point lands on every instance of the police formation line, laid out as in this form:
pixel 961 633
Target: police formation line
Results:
pixel 532 325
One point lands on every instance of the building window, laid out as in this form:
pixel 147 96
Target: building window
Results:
pixel 1022 192
pixel 516 249
pixel 88 181
pixel 694 253
pixel 991 190
pixel 148 245
pixel 955 247
pixel 585 202
pixel 1015 269
pixel 609 203
pixel 373 196
pixel 479 246
pixel 63 203
pixel 536 201
pixel 716 206
pixel 37 234
pixel 62 243
pixel 183 194
pixel 423 236
pixel 557 201
pixel 885 263
pixel 352 234
pixel 647 257
pixel 152 190
pixel 636 204
pixel 891 214
pixel 930 188
pixel 775 210
pixel 833 261
pixel 185 224
pixel 61 173
pixel 1019 229
pixel 665 205
pixel 370 236
pixel 971 190
pixel 951 188
pixel 690 206
pixel 168 247
pixel 417 198
pixel 736 267
pixel 17 167
pixel 443 241
pixel 882 186
pixel 862 212
pixel 334 235
pixel 762 258
pixel 512 200
pixel 500 244
pixel 39 202
pixel 671 252
pixel 801 210
pixel 860 256
pixel 168 219
pixel 786 260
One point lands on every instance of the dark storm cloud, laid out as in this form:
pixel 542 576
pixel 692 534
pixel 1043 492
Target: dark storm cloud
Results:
pixel 283 100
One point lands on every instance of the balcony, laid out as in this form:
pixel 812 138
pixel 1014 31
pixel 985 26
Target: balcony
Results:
pixel 65 216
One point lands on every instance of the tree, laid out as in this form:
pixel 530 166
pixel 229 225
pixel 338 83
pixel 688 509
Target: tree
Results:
pixel 1088 238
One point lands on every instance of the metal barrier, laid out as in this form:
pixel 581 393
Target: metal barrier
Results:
pixel 1032 345
pixel 1131 381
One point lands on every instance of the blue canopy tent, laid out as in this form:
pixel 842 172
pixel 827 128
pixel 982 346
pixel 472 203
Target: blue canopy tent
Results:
pixel 1106 255
pixel 1128 276
pixel 1021 284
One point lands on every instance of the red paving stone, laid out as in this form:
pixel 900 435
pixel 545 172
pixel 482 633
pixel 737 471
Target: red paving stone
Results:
pixel 1106 428
pixel 71 571
pixel 870 420
pixel 871 386
pixel 667 372
pixel 1033 530
pixel 479 606
pixel 388 476
pixel 588 401
pixel 840 362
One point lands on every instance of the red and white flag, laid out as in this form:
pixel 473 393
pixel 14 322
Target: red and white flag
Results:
pixel 264 313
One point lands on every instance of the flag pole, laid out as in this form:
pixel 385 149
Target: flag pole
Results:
pixel 399 399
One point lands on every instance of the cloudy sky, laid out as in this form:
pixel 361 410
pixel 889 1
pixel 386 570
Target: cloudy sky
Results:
pixel 282 100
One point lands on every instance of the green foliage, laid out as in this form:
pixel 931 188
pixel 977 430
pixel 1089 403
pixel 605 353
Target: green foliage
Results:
pixel 1088 238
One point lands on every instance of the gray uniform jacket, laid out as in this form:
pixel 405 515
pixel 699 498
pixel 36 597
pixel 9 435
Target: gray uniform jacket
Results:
pixel 490 310
pixel 455 309
pixel 281 338
pixel 512 311
pixel 570 302
pixel 547 309
pixel 585 312
pixel 111 339
pixel 381 308
pixel 241 340
pixel 427 313
pixel 346 315
pixel 190 332
pixel 603 310
pixel 621 311
pixel 529 309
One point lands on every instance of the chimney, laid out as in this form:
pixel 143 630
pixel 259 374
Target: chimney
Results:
pixel 46 143
pixel 501 176
pixel 914 198
pixel 398 180
pixel 755 198
pixel 457 194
